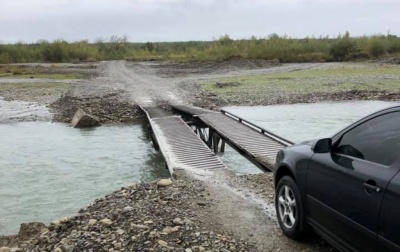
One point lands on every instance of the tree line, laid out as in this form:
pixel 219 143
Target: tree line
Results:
pixel 283 48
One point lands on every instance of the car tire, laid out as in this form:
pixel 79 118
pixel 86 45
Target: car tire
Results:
pixel 289 208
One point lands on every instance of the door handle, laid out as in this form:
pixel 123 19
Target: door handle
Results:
pixel 370 187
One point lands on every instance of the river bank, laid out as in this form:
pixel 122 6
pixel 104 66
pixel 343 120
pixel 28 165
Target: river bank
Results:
pixel 192 212
pixel 141 217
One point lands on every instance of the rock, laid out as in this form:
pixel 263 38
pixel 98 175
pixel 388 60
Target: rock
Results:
pixel 175 229
pixel 118 245
pixel 106 222
pixel 92 222
pixel 201 203
pixel 188 222
pixel 127 209
pixel 188 250
pixel 67 248
pixel 5 249
pixel 178 221
pixel 82 120
pixel 58 250
pixel 28 230
pixel 164 182
pixel 54 223
pixel 120 231
pixel 166 230
pixel 63 219
pixel 139 226
pixel 162 243
pixel 148 222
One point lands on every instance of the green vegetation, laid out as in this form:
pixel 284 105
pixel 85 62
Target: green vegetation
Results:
pixel 52 76
pixel 27 86
pixel 284 49
pixel 24 72
pixel 330 79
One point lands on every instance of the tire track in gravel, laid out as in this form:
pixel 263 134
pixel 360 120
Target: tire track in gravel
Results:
pixel 139 81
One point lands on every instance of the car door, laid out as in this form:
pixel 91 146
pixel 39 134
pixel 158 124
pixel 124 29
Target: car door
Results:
pixel 345 187
pixel 389 221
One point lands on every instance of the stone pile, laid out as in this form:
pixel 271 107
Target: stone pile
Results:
pixel 142 217
pixel 110 108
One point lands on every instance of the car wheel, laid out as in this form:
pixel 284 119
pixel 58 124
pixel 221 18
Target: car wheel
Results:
pixel 289 208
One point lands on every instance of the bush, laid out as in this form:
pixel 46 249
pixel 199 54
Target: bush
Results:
pixel 377 47
pixel 342 49
pixel 55 52
pixel 274 47
pixel 5 58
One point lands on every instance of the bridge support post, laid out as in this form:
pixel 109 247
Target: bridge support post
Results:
pixel 215 140
pixel 222 146
pixel 210 138
pixel 201 134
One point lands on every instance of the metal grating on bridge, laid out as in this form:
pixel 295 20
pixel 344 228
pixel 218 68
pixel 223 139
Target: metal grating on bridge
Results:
pixel 261 147
pixel 192 110
pixel 181 147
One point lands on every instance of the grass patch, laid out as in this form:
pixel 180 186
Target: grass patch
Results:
pixel 302 82
pixel 51 76
pixel 16 86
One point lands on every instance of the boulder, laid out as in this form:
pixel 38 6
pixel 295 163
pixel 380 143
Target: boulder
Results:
pixel 164 182
pixel 31 229
pixel 82 120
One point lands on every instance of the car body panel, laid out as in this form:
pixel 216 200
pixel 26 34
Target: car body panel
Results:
pixel 338 200
pixel 389 221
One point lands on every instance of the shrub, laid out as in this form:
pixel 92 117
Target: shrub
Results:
pixel 377 47
pixel 343 48
pixel 5 58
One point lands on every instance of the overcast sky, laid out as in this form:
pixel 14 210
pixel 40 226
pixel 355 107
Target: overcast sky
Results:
pixel 182 20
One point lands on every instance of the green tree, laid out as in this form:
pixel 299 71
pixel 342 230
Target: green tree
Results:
pixel 343 48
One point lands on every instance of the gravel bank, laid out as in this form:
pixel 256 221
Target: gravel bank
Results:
pixel 302 83
pixel 109 108
pixel 141 217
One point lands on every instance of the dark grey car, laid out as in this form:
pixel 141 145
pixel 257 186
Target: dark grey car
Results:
pixel 347 188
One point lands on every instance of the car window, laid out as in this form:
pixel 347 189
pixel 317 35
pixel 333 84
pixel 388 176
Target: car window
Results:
pixel 376 140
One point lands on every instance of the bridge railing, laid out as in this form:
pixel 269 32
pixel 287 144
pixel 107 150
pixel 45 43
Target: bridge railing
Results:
pixel 258 128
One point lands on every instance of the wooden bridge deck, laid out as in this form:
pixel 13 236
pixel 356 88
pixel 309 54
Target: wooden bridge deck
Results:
pixel 180 146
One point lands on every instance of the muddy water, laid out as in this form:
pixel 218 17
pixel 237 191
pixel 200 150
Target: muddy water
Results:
pixel 50 170
pixel 299 122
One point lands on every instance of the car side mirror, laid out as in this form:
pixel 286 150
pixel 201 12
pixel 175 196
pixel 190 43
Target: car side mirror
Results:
pixel 322 145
